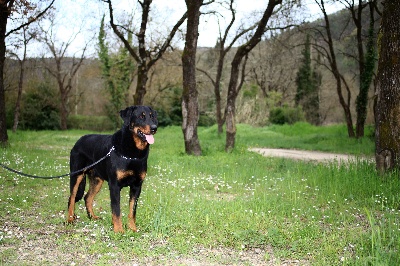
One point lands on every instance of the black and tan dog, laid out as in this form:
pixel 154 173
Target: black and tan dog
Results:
pixel 126 164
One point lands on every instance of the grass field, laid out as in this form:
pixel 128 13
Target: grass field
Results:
pixel 216 209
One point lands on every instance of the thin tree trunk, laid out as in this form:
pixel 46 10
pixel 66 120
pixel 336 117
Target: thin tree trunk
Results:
pixel 387 115
pixel 20 85
pixel 190 109
pixel 217 91
pixel 4 13
pixel 335 71
pixel 18 102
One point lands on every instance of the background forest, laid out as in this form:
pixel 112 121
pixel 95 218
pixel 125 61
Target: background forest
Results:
pixel 104 83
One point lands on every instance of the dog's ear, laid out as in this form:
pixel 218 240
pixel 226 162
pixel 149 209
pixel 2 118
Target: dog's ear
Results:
pixel 126 114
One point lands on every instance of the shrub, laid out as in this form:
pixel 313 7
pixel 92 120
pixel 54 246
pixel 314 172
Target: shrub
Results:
pixel 39 110
pixel 286 115
pixel 94 123
pixel 206 120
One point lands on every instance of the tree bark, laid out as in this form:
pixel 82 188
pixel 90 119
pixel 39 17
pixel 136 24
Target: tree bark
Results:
pixel 4 14
pixel 19 96
pixel 190 109
pixel 387 117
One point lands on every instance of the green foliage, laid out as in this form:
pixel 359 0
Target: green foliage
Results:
pixel 39 110
pixel 206 121
pixel 170 111
pixel 308 83
pixel 117 71
pixel 285 115
pixel 251 91
pixel 93 123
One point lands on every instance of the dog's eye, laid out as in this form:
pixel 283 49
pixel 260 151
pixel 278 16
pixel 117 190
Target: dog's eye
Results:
pixel 142 116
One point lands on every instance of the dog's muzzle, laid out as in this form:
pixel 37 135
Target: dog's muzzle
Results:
pixel 153 129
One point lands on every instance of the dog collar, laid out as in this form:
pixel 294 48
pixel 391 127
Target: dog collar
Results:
pixel 129 158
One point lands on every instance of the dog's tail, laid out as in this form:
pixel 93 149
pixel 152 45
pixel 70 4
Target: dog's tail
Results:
pixel 81 186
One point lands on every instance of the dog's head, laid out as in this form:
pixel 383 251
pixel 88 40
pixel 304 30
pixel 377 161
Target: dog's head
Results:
pixel 142 122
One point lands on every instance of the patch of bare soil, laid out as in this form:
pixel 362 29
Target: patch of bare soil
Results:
pixel 308 155
pixel 40 247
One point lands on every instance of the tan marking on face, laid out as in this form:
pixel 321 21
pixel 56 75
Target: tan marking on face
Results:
pixel 141 145
pixel 121 174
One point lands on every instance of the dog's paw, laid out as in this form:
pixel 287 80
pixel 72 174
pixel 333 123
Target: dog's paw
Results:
pixel 71 219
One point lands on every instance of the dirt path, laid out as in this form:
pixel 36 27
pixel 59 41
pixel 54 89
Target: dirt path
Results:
pixel 307 155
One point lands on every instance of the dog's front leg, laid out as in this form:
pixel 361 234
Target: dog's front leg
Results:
pixel 115 196
pixel 134 194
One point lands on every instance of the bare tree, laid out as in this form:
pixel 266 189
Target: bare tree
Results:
pixel 10 9
pixel 333 67
pixel 65 67
pixel 145 54
pixel 234 85
pixel 222 49
pixel 190 108
pixel 26 38
pixel 387 111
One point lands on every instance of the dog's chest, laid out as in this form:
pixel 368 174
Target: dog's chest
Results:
pixel 130 176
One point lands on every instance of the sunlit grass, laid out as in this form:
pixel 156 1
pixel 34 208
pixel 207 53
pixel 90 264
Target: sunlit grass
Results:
pixel 200 207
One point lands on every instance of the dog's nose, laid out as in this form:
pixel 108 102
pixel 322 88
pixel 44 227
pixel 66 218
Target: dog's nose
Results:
pixel 153 129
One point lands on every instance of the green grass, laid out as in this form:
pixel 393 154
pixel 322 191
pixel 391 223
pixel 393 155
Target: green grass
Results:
pixel 237 208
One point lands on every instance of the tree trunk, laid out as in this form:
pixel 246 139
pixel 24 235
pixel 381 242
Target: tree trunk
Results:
pixel 141 85
pixel 387 114
pixel 63 107
pixel 230 109
pixel 18 102
pixel 366 66
pixel 4 13
pixel 217 91
pixel 20 85
pixel 190 109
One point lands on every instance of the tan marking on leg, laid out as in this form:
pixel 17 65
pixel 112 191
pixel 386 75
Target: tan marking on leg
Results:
pixel 117 223
pixel 142 175
pixel 71 216
pixel 123 174
pixel 95 184
pixel 131 216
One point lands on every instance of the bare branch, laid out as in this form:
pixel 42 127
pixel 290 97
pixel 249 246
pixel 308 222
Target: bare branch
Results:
pixel 30 20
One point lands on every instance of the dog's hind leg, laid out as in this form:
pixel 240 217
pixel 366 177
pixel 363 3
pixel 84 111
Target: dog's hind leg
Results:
pixel 95 184
pixel 77 189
